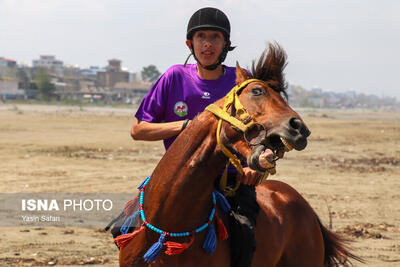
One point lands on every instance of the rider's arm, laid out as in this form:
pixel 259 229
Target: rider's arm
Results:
pixel 148 131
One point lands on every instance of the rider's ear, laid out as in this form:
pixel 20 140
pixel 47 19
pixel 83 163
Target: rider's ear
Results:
pixel 241 74
pixel 189 45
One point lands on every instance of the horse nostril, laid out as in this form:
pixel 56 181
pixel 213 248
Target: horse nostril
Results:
pixel 297 124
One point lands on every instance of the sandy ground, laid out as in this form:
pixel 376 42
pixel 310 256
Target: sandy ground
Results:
pixel 350 170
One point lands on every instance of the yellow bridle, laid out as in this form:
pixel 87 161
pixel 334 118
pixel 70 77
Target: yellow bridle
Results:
pixel 244 123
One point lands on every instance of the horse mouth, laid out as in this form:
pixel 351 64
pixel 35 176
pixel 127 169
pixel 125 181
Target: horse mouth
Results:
pixel 265 156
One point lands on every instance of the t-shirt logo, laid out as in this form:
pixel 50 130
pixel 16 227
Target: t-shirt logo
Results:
pixel 206 95
pixel 181 109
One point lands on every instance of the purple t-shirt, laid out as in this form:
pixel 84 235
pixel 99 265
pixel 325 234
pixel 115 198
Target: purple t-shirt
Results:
pixel 181 94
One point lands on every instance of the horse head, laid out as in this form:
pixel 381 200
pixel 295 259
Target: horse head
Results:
pixel 275 126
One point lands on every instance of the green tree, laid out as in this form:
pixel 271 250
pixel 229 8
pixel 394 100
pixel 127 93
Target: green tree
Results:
pixel 43 82
pixel 150 73
pixel 23 78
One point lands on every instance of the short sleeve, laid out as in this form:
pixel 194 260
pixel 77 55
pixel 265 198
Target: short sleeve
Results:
pixel 152 108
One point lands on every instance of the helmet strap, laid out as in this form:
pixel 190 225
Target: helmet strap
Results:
pixel 187 59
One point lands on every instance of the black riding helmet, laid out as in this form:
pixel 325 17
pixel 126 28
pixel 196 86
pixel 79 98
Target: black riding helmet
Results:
pixel 210 18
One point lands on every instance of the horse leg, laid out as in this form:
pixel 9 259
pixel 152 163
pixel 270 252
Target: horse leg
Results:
pixel 305 244
pixel 270 239
pixel 287 231
pixel 270 230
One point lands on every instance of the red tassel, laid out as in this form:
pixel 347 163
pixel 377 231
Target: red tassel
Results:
pixel 123 240
pixel 221 229
pixel 130 207
pixel 174 248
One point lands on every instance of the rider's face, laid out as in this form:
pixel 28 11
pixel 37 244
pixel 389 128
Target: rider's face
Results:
pixel 207 45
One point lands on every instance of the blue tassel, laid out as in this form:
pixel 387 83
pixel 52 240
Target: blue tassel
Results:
pixel 222 202
pixel 131 221
pixel 155 249
pixel 211 240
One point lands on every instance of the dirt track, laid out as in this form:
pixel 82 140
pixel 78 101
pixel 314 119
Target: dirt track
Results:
pixel 351 167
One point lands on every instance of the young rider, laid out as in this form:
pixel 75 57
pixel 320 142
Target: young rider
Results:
pixel 184 91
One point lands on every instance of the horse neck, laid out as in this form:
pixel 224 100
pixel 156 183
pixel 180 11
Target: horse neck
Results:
pixel 182 183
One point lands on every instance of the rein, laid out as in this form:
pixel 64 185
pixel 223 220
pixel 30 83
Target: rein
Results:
pixel 244 123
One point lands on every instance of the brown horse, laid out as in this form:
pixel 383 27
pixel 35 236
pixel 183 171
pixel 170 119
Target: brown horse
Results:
pixel 178 195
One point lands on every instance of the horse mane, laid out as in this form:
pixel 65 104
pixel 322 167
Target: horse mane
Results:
pixel 270 66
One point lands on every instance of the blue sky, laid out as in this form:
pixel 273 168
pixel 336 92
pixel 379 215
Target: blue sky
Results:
pixel 337 45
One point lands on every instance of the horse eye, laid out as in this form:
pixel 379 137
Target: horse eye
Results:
pixel 257 91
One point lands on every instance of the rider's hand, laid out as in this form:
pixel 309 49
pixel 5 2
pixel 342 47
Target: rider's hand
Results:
pixel 250 177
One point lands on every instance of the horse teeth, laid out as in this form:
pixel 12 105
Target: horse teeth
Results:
pixel 280 153
pixel 288 147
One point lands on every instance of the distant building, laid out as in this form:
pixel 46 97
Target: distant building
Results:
pixel 350 94
pixel 8 69
pixel 133 77
pixel 72 72
pixel 132 92
pixel 316 90
pixel 114 65
pixel 91 72
pixel 5 62
pixel 112 75
pixel 10 90
pixel 49 62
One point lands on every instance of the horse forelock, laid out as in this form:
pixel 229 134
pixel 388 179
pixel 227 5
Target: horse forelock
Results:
pixel 270 67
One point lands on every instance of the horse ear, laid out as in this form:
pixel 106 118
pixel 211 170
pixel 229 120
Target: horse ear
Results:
pixel 241 74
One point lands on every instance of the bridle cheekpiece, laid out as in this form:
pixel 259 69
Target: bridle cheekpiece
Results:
pixel 243 124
